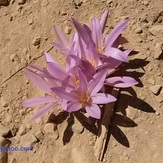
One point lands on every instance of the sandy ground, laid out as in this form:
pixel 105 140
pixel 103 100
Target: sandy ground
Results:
pixel 21 23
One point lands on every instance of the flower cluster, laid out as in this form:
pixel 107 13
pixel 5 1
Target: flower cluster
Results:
pixel 91 57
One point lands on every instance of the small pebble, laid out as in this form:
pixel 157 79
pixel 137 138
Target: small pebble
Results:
pixel 39 135
pixel 21 2
pixel 4 103
pixel 145 3
pixel 50 128
pixel 138 30
pixel 36 41
pixel 28 140
pixel 158 50
pixel 155 89
pixel 14 130
pixel 151 81
pixel 77 128
pixel 67 29
pixel 22 130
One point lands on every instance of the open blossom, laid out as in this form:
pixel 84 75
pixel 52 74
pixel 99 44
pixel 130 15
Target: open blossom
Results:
pixel 91 58
pixel 51 100
pixel 86 96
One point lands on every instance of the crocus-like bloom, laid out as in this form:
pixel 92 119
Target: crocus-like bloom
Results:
pixel 86 96
pixel 94 37
pixel 51 100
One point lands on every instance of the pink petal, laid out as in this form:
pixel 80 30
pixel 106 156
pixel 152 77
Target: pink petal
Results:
pixel 61 92
pixel 96 32
pixel 97 82
pixel 57 71
pixel 49 58
pixel 121 82
pixel 104 19
pixel 38 81
pixel 37 101
pixel 102 98
pixel 82 31
pixel 94 111
pixel 43 110
pixel 116 54
pixel 109 40
pixel 83 83
pixel 61 36
pixel 74 106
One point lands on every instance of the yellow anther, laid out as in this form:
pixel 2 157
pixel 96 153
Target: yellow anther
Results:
pixel 85 99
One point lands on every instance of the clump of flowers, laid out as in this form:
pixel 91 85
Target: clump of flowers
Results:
pixel 91 60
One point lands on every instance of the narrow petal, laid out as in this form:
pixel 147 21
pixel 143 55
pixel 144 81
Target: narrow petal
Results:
pixel 96 32
pixel 61 92
pixel 82 31
pixel 43 110
pixel 61 36
pixel 60 48
pixel 109 40
pixel 74 106
pixel 49 58
pixel 97 82
pixel 37 101
pixel 94 111
pixel 38 81
pixel 116 54
pixel 57 71
pixel 83 83
pixel 102 98
pixel 104 19
pixel 121 82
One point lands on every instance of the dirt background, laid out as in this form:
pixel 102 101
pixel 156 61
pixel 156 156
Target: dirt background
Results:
pixel 22 22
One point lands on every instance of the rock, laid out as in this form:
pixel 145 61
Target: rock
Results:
pixel 77 128
pixel 14 130
pixel 78 156
pixel 22 130
pixel 138 30
pixel 77 2
pixel 4 2
pixel 28 140
pixel 63 12
pixel 36 41
pixel 8 118
pixel 145 3
pixel 39 135
pixel 4 103
pixel 21 2
pixel 155 89
pixel 67 29
pixel 158 50
pixel 12 1
pixel 151 81
pixel 157 30
pixel 4 131
pixel 30 21
pixel 51 129
pixel 13 160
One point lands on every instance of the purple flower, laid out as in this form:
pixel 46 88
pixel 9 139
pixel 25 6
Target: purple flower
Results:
pixel 86 96
pixel 51 100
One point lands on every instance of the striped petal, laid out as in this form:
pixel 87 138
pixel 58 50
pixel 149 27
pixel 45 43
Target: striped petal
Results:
pixel 37 101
